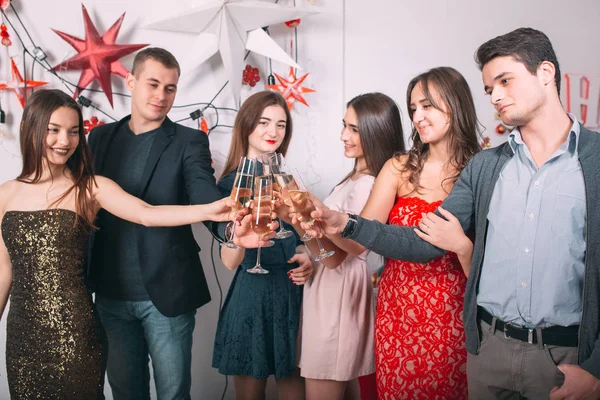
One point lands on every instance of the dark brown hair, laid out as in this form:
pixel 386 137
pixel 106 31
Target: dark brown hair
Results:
pixel 455 94
pixel 379 128
pixel 34 130
pixel 528 46
pixel 247 120
pixel 157 54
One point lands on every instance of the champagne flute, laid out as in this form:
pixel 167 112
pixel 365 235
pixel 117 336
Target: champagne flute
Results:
pixel 241 191
pixel 279 169
pixel 300 198
pixel 262 207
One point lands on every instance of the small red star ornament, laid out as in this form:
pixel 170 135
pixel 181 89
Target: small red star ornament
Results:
pixel 291 88
pixel 293 23
pixel 91 123
pixel 5 36
pixel 97 56
pixel 18 85
pixel 250 76
pixel 204 125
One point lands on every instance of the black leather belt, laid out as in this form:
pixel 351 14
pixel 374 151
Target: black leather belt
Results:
pixel 553 335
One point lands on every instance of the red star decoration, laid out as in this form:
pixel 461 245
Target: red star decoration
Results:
pixel 291 88
pixel 91 123
pixel 97 56
pixel 204 125
pixel 18 85
pixel 250 76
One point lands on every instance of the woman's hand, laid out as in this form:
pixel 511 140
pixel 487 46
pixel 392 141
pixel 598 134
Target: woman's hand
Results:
pixel 245 237
pixel 301 274
pixel 222 210
pixel 282 209
pixel 445 233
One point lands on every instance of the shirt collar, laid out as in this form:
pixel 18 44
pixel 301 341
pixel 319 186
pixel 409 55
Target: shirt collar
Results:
pixel 515 139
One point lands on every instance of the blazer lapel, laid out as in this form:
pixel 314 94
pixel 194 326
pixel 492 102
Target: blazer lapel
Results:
pixel 162 140
pixel 104 143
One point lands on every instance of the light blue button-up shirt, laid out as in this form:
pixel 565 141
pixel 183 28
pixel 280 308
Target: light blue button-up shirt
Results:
pixel 532 272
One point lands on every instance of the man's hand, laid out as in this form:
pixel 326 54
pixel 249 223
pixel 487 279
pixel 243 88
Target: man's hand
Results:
pixel 326 222
pixel 579 385
pixel 302 273
pixel 245 237
pixel 445 233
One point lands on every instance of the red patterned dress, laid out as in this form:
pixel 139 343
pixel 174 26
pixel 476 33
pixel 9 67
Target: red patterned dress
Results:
pixel 419 336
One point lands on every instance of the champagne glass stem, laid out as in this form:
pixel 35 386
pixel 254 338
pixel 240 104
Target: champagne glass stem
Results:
pixel 321 249
pixel 258 256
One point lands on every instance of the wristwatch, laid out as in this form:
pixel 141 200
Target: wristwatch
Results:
pixel 350 225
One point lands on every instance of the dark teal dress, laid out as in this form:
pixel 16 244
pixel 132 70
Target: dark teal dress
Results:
pixel 258 324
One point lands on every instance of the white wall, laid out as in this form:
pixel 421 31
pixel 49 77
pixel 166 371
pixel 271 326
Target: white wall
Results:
pixel 389 42
pixel 353 47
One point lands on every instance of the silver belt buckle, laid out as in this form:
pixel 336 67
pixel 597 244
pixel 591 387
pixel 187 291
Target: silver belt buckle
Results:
pixel 504 330
pixel 529 332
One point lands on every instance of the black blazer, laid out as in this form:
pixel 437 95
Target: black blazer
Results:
pixel 178 172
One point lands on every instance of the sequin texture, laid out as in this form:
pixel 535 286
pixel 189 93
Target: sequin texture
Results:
pixel 55 344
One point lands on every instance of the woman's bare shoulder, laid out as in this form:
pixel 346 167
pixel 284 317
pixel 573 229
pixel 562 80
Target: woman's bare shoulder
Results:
pixel 9 191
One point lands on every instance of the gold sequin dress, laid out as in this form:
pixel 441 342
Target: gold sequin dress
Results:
pixel 55 344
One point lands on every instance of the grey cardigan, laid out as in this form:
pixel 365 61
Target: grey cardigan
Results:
pixel 469 201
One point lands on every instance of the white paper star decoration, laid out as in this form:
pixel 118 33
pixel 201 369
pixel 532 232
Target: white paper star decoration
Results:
pixel 230 27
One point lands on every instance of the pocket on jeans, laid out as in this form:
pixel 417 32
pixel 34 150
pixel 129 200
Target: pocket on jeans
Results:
pixel 486 332
pixel 559 355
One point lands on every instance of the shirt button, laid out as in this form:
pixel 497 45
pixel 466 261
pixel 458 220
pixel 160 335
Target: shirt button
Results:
pixel 531 216
pixel 526 250
pixel 537 183
pixel 523 284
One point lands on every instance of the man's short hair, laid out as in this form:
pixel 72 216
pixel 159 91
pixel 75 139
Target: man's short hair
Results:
pixel 528 46
pixel 157 54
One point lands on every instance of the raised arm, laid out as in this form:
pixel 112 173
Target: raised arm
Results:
pixel 115 200
pixel 401 242
pixel 379 203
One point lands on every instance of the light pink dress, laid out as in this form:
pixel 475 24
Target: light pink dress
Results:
pixel 338 308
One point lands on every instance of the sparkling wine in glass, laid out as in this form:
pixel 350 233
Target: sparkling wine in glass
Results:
pixel 300 199
pixel 262 207
pixel 241 191
pixel 278 167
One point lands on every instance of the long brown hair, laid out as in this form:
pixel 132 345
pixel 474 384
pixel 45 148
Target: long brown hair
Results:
pixel 34 130
pixel 379 128
pixel 463 132
pixel 247 120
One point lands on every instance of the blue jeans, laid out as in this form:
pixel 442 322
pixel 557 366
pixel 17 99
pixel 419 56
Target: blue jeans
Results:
pixel 136 329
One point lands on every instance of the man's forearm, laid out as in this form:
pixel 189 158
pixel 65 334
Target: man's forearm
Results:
pixel 392 241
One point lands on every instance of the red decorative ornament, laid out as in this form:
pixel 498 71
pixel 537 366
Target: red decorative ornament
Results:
pixel 18 85
pixel 5 36
pixel 97 57
pixel 203 125
pixel 486 143
pixel 500 129
pixel 250 76
pixel 293 23
pixel 4 4
pixel 91 123
pixel 291 88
